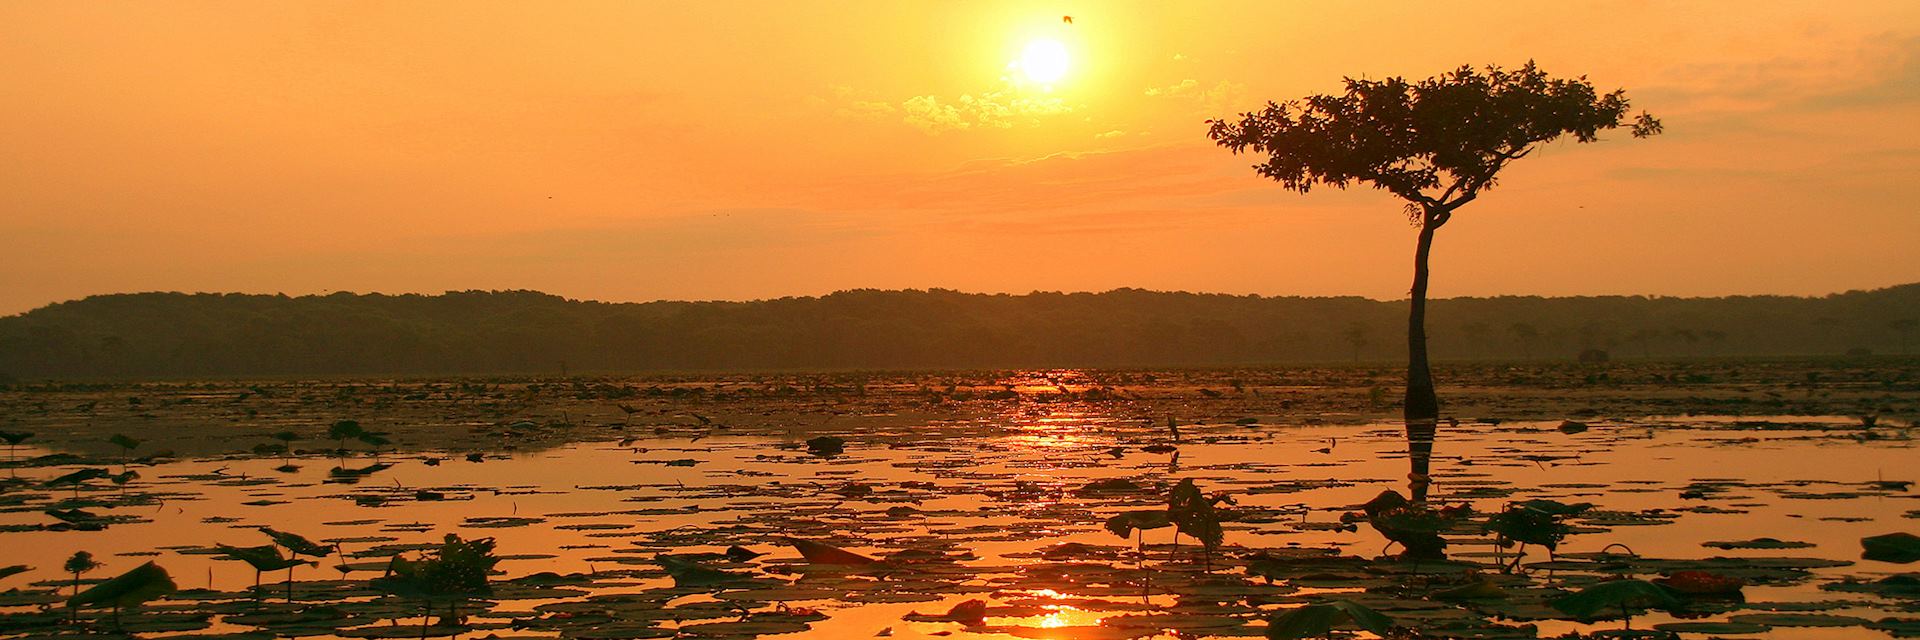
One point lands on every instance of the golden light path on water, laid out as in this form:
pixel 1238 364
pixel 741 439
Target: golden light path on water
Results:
pixel 599 503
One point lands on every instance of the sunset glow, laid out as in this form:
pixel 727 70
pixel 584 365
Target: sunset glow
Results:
pixel 975 320
pixel 621 151
pixel 1045 61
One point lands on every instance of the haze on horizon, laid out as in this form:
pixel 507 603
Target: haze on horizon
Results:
pixel 627 151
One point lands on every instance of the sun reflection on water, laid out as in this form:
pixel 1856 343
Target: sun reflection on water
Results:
pixel 1050 416
pixel 1061 615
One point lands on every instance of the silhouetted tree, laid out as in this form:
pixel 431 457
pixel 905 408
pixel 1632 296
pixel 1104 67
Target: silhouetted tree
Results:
pixel 1435 143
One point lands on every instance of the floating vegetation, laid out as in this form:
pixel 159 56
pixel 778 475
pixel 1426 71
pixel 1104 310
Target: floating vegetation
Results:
pixel 1616 596
pixel 1900 548
pixel 263 558
pixel 1044 519
pixel 452 574
pixel 1535 522
pixel 826 446
pixel 131 589
pixel 1319 620
pixel 79 564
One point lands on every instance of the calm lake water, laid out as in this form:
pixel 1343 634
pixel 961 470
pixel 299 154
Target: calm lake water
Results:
pixel 971 515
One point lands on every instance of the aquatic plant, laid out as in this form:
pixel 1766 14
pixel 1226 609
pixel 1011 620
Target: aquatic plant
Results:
pixel 77 519
pixel 1413 525
pixel 297 544
pixel 1135 524
pixel 264 558
pixel 1897 548
pixel 1537 522
pixel 1193 513
pixel 127 445
pixel 452 574
pixel 1626 595
pixel 123 478
pixel 1319 620
pixel 352 475
pixel 1188 510
pixel 971 613
pixel 689 573
pixel 826 446
pixel 130 589
pixel 1702 583
pixel 79 563
pixel 374 439
pixel 823 553
pixel 13 440
pixel 967 494
pixel 77 479
pixel 1478 587
pixel 285 448
pixel 341 431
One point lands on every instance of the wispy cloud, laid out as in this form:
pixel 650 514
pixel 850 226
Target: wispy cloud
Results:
pixel 1003 108
pixel 1217 97
pixel 1875 72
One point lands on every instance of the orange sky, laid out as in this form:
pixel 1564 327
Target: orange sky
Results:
pixel 639 151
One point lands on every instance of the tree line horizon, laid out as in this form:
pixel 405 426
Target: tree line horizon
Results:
pixel 171 335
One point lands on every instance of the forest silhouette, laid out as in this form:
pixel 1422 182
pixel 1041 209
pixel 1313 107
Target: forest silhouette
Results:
pixel 149 335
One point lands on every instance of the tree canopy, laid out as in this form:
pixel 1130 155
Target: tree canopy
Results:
pixel 1436 143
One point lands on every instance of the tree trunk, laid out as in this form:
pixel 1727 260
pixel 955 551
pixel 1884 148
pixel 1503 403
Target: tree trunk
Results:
pixel 1422 408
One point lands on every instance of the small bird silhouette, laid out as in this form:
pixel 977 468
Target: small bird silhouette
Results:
pixel 1067 19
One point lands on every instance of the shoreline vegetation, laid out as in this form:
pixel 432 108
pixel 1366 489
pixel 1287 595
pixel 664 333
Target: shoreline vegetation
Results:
pixel 176 335
pixel 537 412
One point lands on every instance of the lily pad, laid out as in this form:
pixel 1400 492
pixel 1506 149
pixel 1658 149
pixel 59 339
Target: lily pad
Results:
pixel 1615 596
pixel 1319 619
pixel 1735 628
pixel 1799 620
pixel 1898 548
pixel 1757 543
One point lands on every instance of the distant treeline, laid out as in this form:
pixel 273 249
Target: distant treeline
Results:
pixel 476 332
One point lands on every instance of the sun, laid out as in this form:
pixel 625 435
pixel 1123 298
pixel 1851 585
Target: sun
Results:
pixel 1045 61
